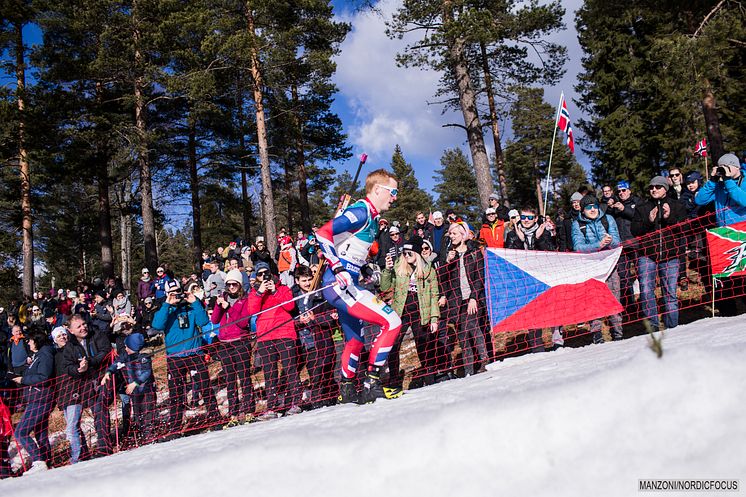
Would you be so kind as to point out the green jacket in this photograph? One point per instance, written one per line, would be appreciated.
(427, 293)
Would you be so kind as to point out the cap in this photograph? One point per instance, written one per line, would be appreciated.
(622, 184)
(693, 176)
(576, 197)
(261, 265)
(393, 230)
(729, 160)
(489, 211)
(660, 181)
(172, 286)
(160, 269)
(72, 294)
(494, 196)
(414, 244)
(57, 331)
(235, 276)
(135, 342)
(35, 308)
(437, 215)
(148, 300)
(145, 270)
(513, 213)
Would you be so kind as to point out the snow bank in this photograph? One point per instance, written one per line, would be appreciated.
(572, 422)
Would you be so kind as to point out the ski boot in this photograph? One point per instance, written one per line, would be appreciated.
(348, 394)
(372, 387)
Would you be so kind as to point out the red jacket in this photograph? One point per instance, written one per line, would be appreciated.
(493, 236)
(277, 323)
(238, 311)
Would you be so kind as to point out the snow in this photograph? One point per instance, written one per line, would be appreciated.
(573, 422)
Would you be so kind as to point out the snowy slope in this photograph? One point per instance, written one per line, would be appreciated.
(588, 421)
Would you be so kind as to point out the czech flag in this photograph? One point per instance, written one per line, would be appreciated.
(531, 289)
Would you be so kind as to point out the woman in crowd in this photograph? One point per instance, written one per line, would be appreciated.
(38, 380)
(415, 285)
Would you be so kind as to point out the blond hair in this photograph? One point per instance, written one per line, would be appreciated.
(402, 269)
(377, 177)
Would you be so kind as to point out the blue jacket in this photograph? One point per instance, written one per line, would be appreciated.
(729, 197)
(186, 341)
(160, 286)
(590, 241)
(136, 368)
(39, 377)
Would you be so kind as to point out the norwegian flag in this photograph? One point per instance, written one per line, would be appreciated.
(701, 148)
(563, 123)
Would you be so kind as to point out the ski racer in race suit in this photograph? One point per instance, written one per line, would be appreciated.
(345, 242)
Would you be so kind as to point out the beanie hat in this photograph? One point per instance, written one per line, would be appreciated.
(135, 342)
(660, 181)
(49, 312)
(172, 286)
(490, 210)
(623, 184)
(59, 330)
(729, 160)
(393, 230)
(414, 244)
(513, 213)
(576, 197)
(494, 196)
(234, 275)
(260, 266)
(588, 200)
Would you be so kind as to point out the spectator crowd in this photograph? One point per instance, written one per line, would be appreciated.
(155, 348)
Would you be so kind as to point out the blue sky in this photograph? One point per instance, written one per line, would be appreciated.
(382, 105)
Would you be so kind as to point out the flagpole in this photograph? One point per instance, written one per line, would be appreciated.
(707, 170)
(714, 280)
(551, 152)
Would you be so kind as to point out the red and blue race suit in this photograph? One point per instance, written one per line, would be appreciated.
(345, 242)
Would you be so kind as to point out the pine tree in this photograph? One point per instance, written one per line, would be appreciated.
(456, 186)
(411, 197)
(528, 153)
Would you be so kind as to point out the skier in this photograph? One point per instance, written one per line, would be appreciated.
(345, 242)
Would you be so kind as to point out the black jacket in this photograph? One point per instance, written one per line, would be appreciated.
(624, 217)
(660, 239)
(544, 242)
(80, 388)
(448, 275)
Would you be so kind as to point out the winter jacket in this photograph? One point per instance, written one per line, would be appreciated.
(437, 236)
(80, 388)
(238, 315)
(427, 292)
(159, 286)
(277, 323)
(264, 256)
(102, 319)
(624, 217)
(729, 197)
(494, 234)
(145, 289)
(39, 377)
(389, 246)
(18, 352)
(319, 329)
(181, 341)
(544, 242)
(588, 233)
(137, 368)
(449, 282)
(659, 243)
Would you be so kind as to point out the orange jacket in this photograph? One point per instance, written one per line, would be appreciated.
(493, 236)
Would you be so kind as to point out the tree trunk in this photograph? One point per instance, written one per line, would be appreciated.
(305, 210)
(104, 205)
(709, 109)
(27, 222)
(468, 104)
(499, 157)
(125, 230)
(143, 159)
(194, 188)
(245, 200)
(268, 207)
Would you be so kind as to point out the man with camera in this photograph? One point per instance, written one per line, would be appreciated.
(727, 190)
(180, 318)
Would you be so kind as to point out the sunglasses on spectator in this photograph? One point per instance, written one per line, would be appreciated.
(675, 174)
(590, 206)
(524, 217)
(622, 190)
(425, 247)
(492, 214)
(408, 253)
(232, 283)
(655, 187)
(393, 191)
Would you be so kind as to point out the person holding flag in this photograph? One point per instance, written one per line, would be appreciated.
(345, 242)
